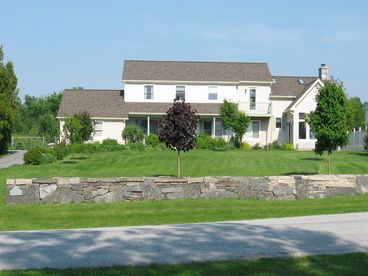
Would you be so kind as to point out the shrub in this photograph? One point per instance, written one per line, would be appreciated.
(60, 151)
(136, 146)
(39, 155)
(93, 147)
(366, 142)
(207, 142)
(257, 147)
(132, 134)
(245, 146)
(287, 146)
(152, 140)
(110, 142)
(274, 145)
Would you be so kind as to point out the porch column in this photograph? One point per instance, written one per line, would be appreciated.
(148, 125)
(213, 127)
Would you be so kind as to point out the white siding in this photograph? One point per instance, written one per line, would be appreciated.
(110, 129)
(278, 108)
(167, 92)
(306, 105)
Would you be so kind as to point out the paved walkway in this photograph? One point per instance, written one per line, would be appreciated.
(184, 243)
(14, 158)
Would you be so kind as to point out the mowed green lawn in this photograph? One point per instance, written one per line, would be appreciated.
(194, 163)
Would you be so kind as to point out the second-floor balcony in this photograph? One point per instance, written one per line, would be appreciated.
(257, 108)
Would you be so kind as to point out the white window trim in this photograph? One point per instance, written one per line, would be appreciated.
(280, 122)
(185, 90)
(102, 129)
(209, 92)
(250, 102)
(144, 91)
(251, 133)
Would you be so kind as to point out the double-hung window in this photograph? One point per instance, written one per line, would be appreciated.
(252, 99)
(278, 123)
(148, 92)
(212, 92)
(180, 92)
(97, 125)
(255, 129)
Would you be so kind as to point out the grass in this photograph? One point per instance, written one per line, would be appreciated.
(346, 264)
(194, 163)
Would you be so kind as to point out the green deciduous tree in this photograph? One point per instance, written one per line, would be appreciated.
(235, 120)
(78, 128)
(331, 120)
(36, 116)
(8, 101)
(357, 112)
(177, 129)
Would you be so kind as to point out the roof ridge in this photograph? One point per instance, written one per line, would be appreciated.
(316, 77)
(91, 89)
(194, 61)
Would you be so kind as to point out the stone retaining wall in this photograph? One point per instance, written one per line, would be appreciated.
(66, 190)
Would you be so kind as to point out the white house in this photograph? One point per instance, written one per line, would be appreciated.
(277, 105)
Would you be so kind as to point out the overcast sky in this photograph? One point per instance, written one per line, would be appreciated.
(60, 44)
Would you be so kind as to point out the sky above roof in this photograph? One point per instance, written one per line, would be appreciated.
(62, 44)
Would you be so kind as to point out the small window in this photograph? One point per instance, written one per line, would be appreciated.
(180, 92)
(255, 129)
(301, 116)
(148, 92)
(212, 92)
(252, 99)
(301, 81)
(97, 126)
(278, 123)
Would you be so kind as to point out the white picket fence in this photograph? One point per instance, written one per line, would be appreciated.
(356, 139)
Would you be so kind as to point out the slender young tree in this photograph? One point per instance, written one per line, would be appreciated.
(235, 120)
(8, 102)
(177, 128)
(331, 120)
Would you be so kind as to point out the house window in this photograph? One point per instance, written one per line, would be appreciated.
(97, 126)
(255, 129)
(207, 127)
(148, 92)
(212, 92)
(278, 123)
(180, 92)
(252, 99)
(218, 128)
(302, 127)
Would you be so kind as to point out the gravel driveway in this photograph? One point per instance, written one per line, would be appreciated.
(184, 243)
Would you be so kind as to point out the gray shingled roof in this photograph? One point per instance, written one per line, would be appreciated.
(110, 104)
(290, 86)
(99, 103)
(195, 71)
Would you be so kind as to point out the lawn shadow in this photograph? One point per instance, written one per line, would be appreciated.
(70, 162)
(300, 173)
(359, 153)
(81, 157)
(312, 158)
(167, 245)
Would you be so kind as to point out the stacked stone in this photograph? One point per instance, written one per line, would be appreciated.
(73, 189)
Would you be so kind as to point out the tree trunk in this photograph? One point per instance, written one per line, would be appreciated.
(178, 163)
(329, 162)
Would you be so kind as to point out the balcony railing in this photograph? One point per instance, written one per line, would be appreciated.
(255, 108)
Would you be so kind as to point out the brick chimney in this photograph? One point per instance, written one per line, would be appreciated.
(323, 72)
